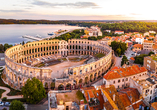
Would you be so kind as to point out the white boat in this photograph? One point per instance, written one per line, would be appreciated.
(51, 33)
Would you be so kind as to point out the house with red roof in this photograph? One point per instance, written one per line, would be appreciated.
(120, 77)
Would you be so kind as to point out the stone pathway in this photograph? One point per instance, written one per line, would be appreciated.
(4, 94)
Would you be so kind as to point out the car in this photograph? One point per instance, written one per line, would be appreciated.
(1, 103)
(132, 54)
(7, 103)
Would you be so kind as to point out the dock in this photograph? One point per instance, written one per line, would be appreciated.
(32, 38)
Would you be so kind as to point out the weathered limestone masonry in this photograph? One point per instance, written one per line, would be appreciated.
(16, 73)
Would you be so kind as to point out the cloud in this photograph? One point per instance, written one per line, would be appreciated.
(66, 17)
(72, 5)
(1, 10)
(134, 14)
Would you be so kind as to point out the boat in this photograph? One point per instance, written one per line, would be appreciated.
(50, 33)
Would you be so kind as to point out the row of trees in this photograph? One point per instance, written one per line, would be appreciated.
(118, 47)
(73, 35)
(4, 47)
(131, 26)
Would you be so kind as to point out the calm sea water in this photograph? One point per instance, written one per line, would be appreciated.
(13, 33)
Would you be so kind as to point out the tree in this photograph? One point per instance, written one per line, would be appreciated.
(4, 108)
(1, 48)
(150, 53)
(139, 59)
(118, 51)
(33, 90)
(118, 47)
(6, 46)
(16, 105)
(124, 60)
(23, 43)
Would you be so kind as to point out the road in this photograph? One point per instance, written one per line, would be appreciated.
(7, 91)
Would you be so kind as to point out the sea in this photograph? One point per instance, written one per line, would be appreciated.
(12, 33)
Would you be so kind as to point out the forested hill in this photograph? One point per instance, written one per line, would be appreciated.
(126, 26)
(13, 21)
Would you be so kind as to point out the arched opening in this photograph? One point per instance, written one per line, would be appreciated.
(68, 86)
(52, 85)
(91, 78)
(99, 74)
(46, 85)
(86, 80)
(60, 87)
(95, 76)
(80, 82)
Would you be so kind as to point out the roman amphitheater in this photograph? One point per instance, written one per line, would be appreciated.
(67, 65)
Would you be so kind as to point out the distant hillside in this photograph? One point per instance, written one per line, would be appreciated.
(13, 21)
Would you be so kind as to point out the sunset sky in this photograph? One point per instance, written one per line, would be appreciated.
(79, 9)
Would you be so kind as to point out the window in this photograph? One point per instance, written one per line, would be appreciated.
(113, 82)
(123, 80)
(118, 81)
(126, 79)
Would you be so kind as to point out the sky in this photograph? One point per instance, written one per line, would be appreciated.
(79, 9)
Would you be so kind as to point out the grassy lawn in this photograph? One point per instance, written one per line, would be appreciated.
(154, 57)
(1, 91)
(80, 96)
(1, 67)
(99, 55)
(64, 59)
(39, 65)
(74, 59)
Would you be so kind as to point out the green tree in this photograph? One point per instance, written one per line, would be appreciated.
(33, 90)
(16, 105)
(150, 53)
(139, 59)
(124, 60)
(118, 51)
(118, 47)
(1, 48)
(23, 43)
(6, 46)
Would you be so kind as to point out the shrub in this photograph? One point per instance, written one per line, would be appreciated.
(4, 99)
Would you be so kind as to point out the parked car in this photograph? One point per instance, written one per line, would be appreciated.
(1, 103)
(7, 103)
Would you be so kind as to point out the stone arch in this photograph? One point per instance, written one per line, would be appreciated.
(95, 76)
(61, 87)
(46, 85)
(91, 77)
(68, 86)
(80, 81)
(86, 80)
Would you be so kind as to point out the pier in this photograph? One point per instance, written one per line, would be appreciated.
(32, 38)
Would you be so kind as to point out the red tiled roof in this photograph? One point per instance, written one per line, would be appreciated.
(138, 45)
(136, 105)
(132, 58)
(154, 105)
(123, 72)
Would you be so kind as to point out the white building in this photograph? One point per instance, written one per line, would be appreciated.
(152, 32)
(109, 31)
(119, 32)
(139, 40)
(146, 34)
